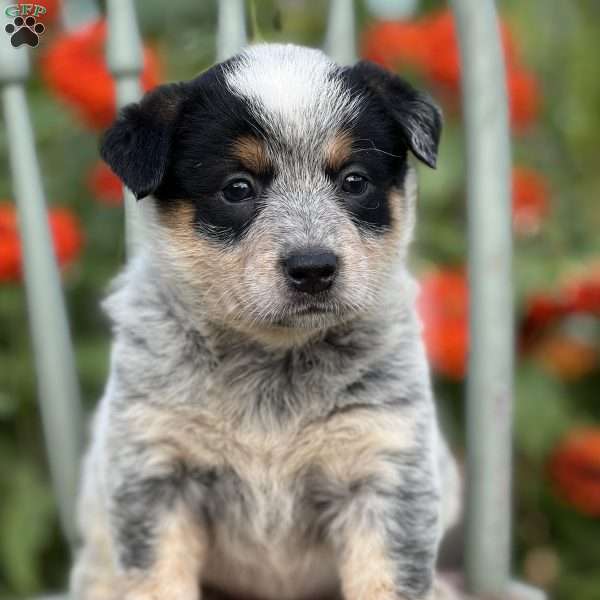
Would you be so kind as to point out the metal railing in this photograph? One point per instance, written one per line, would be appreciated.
(55, 362)
(490, 382)
(490, 387)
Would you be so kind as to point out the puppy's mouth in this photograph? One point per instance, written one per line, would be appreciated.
(312, 309)
(313, 315)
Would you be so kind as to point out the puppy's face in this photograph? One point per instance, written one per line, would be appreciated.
(282, 190)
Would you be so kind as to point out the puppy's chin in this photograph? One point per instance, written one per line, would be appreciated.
(278, 337)
(291, 328)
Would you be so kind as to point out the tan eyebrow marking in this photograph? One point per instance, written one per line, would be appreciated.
(338, 150)
(252, 153)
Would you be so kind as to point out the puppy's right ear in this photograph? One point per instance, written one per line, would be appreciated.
(137, 145)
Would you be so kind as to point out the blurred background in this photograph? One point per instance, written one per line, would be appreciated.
(551, 49)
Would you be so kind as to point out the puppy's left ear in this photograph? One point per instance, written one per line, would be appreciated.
(138, 143)
(418, 117)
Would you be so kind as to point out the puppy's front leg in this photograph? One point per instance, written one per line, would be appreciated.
(161, 546)
(388, 544)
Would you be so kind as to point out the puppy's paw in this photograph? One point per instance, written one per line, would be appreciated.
(161, 590)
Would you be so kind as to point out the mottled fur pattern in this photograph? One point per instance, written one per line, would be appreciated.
(252, 439)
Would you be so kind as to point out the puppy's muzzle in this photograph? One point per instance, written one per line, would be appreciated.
(310, 270)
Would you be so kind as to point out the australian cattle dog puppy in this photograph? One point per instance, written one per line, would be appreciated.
(268, 429)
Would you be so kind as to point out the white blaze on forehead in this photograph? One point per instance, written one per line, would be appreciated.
(291, 85)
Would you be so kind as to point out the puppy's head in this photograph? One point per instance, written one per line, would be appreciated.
(282, 192)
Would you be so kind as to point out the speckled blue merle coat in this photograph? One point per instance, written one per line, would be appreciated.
(268, 428)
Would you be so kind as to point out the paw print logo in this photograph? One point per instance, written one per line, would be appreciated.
(25, 31)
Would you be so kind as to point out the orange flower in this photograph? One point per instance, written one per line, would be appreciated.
(397, 44)
(566, 356)
(430, 45)
(105, 185)
(523, 98)
(574, 469)
(529, 200)
(66, 235)
(74, 68)
(443, 305)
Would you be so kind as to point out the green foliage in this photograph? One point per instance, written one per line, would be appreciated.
(539, 400)
(26, 522)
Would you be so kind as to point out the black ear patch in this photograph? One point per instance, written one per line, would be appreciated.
(137, 145)
(419, 118)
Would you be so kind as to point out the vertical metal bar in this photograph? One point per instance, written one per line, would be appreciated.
(77, 12)
(56, 372)
(231, 28)
(392, 9)
(490, 385)
(340, 39)
(125, 61)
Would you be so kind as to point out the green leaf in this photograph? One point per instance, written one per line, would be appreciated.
(26, 518)
(542, 412)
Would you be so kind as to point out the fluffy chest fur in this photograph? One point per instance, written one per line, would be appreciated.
(270, 448)
(232, 403)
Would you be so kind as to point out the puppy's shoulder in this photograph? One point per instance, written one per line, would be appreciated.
(155, 346)
(137, 295)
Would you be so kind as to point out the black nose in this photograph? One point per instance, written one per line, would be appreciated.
(311, 271)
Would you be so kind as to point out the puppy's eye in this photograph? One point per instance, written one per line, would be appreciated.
(355, 184)
(238, 190)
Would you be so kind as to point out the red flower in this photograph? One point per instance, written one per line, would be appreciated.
(66, 235)
(529, 200)
(396, 44)
(575, 470)
(439, 33)
(541, 310)
(430, 45)
(564, 352)
(10, 247)
(443, 306)
(523, 98)
(74, 68)
(443, 62)
(105, 185)
(578, 295)
(582, 295)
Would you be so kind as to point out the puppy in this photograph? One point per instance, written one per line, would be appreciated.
(268, 428)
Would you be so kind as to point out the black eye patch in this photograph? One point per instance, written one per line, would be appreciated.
(369, 146)
(369, 210)
(372, 169)
(217, 140)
